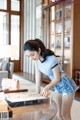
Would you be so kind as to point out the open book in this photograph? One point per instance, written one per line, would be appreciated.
(23, 98)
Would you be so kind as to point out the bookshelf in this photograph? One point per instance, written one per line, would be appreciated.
(57, 21)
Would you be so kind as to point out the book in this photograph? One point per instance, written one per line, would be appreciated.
(5, 110)
(23, 98)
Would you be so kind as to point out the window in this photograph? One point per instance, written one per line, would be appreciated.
(4, 27)
(3, 4)
(15, 25)
(10, 22)
(15, 5)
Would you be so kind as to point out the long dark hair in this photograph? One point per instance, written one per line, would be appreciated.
(34, 45)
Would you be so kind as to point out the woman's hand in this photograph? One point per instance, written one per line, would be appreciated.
(45, 92)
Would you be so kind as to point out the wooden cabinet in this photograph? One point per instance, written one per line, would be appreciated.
(59, 31)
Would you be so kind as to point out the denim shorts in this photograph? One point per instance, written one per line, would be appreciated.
(66, 85)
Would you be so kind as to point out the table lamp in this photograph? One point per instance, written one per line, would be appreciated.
(8, 51)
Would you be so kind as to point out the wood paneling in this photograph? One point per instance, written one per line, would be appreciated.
(16, 65)
(76, 36)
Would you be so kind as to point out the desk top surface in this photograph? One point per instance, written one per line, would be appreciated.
(44, 111)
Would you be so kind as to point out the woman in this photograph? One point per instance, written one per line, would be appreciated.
(46, 63)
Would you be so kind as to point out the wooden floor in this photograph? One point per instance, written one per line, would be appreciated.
(44, 81)
(78, 94)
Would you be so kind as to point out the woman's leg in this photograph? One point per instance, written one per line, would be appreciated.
(66, 106)
(58, 100)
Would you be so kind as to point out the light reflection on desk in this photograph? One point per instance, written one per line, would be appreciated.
(41, 112)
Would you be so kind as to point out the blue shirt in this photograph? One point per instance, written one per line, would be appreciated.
(66, 84)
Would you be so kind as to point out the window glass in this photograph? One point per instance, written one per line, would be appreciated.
(4, 28)
(3, 4)
(15, 33)
(15, 5)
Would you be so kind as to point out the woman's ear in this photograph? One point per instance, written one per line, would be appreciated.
(39, 50)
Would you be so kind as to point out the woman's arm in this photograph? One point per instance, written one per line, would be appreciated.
(37, 78)
(57, 78)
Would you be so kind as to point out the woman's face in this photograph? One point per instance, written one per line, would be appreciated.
(33, 54)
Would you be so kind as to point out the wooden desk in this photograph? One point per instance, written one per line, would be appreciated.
(42, 111)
